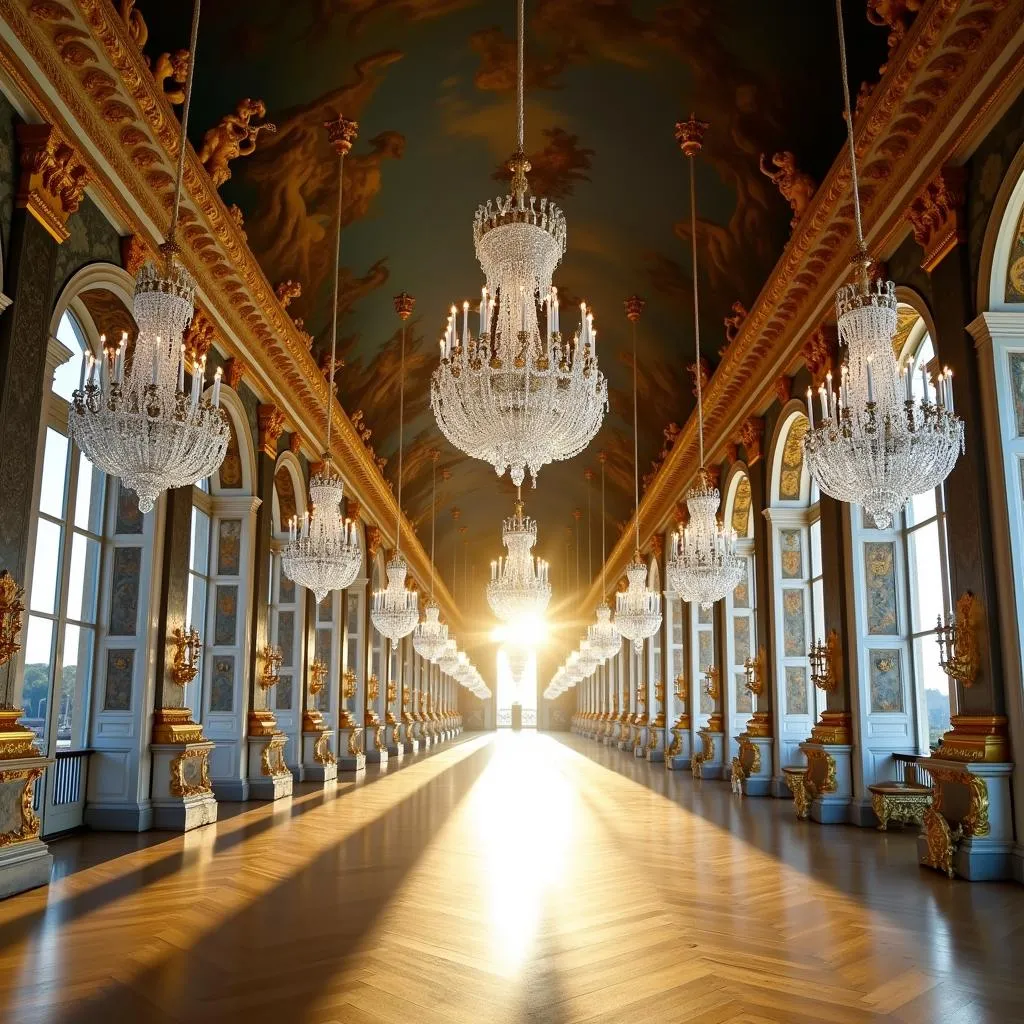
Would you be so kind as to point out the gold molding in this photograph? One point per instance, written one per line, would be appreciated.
(175, 725)
(180, 786)
(30, 823)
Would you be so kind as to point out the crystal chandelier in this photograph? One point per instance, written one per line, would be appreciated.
(395, 609)
(519, 587)
(323, 553)
(518, 658)
(603, 635)
(519, 396)
(449, 657)
(142, 426)
(638, 608)
(702, 564)
(877, 446)
(429, 637)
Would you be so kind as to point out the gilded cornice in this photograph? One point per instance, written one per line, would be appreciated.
(960, 63)
(101, 95)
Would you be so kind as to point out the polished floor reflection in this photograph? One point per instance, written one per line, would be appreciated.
(511, 878)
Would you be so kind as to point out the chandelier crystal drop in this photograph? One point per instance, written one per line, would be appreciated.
(131, 416)
(702, 563)
(520, 394)
(877, 445)
(395, 611)
(519, 587)
(324, 553)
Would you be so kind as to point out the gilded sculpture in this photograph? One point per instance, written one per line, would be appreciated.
(271, 674)
(796, 186)
(958, 641)
(824, 662)
(12, 607)
(317, 676)
(734, 322)
(170, 70)
(235, 136)
(185, 664)
(190, 773)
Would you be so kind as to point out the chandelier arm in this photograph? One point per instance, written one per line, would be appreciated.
(696, 305)
(334, 312)
(183, 137)
(849, 126)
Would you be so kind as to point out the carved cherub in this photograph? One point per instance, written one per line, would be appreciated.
(172, 66)
(235, 136)
(364, 432)
(136, 23)
(670, 432)
(732, 323)
(894, 15)
(795, 185)
(235, 212)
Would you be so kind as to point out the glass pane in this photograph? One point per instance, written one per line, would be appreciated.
(199, 548)
(283, 695)
(195, 612)
(84, 578)
(925, 577)
(38, 670)
(89, 497)
(44, 570)
(818, 609)
(816, 548)
(921, 507)
(68, 376)
(935, 685)
(76, 677)
(55, 473)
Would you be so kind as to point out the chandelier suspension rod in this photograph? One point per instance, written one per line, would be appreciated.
(334, 304)
(590, 536)
(433, 513)
(520, 75)
(604, 595)
(636, 456)
(696, 305)
(849, 128)
(401, 423)
(183, 137)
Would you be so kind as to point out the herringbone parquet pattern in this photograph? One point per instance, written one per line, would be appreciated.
(511, 878)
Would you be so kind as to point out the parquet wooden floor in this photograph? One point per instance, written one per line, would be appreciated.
(510, 878)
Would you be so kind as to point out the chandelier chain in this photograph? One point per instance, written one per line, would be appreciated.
(433, 516)
(849, 126)
(604, 593)
(334, 311)
(183, 137)
(520, 74)
(636, 451)
(696, 305)
(401, 424)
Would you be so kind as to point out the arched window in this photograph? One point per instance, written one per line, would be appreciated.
(740, 604)
(926, 553)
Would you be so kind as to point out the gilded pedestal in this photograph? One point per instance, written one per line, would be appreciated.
(318, 761)
(270, 778)
(678, 754)
(393, 740)
(25, 862)
(751, 770)
(707, 763)
(182, 795)
(350, 744)
(410, 742)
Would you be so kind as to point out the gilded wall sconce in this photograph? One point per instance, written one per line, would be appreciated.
(348, 684)
(185, 663)
(711, 687)
(271, 674)
(754, 669)
(659, 692)
(392, 692)
(641, 695)
(372, 688)
(958, 641)
(681, 688)
(317, 676)
(12, 606)
(824, 659)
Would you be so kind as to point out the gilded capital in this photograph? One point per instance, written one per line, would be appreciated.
(199, 337)
(53, 178)
(270, 420)
(937, 215)
(750, 436)
(234, 371)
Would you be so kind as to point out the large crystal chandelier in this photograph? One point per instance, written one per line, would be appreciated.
(448, 660)
(702, 564)
(519, 396)
(877, 445)
(602, 634)
(519, 587)
(518, 658)
(395, 609)
(138, 423)
(429, 637)
(323, 552)
(638, 608)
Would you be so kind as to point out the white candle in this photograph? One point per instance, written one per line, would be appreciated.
(593, 342)
(216, 387)
(483, 311)
(465, 324)
(949, 390)
(156, 361)
(824, 402)
(810, 408)
(81, 375)
(924, 383)
(908, 380)
(871, 385)
(181, 369)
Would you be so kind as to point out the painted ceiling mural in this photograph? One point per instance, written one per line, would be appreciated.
(431, 83)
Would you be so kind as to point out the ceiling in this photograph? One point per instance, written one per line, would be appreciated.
(431, 83)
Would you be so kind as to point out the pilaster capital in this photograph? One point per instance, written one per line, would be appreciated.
(936, 215)
(750, 436)
(818, 351)
(199, 338)
(234, 371)
(270, 420)
(53, 177)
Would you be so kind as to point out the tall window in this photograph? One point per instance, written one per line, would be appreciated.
(928, 579)
(198, 580)
(60, 635)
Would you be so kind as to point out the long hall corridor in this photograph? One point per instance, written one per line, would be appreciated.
(507, 878)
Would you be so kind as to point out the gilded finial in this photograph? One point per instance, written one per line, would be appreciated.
(341, 133)
(634, 307)
(690, 135)
(404, 304)
(520, 167)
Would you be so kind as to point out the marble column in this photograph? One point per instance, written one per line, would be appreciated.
(268, 774)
